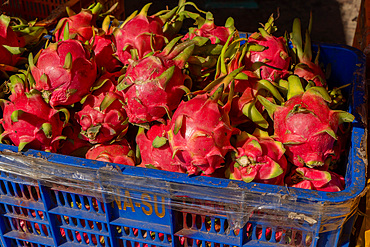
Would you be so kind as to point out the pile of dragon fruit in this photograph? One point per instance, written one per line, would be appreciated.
(153, 91)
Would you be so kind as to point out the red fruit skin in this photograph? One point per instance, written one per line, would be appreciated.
(143, 33)
(104, 50)
(310, 178)
(203, 138)
(118, 152)
(263, 160)
(302, 132)
(9, 37)
(311, 71)
(65, 86)
(275, 55)
(216, 34)
(245, 92)
(74, 145)
(110, 121)
(28, 127)
(249, 95)
(161, 157)
(80, 24)
(147, 95)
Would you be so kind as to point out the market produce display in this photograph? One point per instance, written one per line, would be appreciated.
(153, 91)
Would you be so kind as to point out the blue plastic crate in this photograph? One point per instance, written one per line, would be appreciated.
(56, 200)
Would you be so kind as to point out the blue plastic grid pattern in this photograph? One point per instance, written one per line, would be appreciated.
(40, 212)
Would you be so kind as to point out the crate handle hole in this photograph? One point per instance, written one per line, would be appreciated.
(3, 187)
(35, 194)
(26, 193)
(10, 189)
(61, 198)
(18, 190)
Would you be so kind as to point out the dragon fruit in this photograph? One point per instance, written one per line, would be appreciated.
(175, 18)
(80, 26)
(16, 37)
(244, 107)
(272, 51)
(11, 46)
(104, 48)
(140, 35)
(155, 150)
(259, 158)
(102, 117)
(305, 124)
(208, 29)
(199, 133)
(247, 104)
(74, 144)
(153, 86)
(29, 32)
(28, 121)
(305, 68)
(64, 72)
(309, 178)
(117, 152)
(210, 42)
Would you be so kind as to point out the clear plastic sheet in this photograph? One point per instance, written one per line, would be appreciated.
(275, 205)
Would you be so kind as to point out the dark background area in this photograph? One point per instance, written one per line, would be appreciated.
(327, 18)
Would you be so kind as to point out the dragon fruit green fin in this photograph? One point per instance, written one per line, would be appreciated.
(294, 86)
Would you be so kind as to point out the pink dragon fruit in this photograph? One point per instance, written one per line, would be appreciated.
(80, 26)
(245, 107)
(104, 48)
(28, 121)
(155, 150)
(199, 133)
(29, 33)
(102, 117)
(11, 46)
(117, 152)
(153, 86)
(74, 144)
(305, 68)
(17, 36)
(305, 124)
(210, 42)
(272, 51)
(64, 73)
(313, 179)
(142, 34)
(250, 79)
(208, 29)
(259, 158)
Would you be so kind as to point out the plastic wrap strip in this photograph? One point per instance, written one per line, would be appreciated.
(238, 205)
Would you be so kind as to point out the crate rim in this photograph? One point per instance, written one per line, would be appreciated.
(354, 190)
